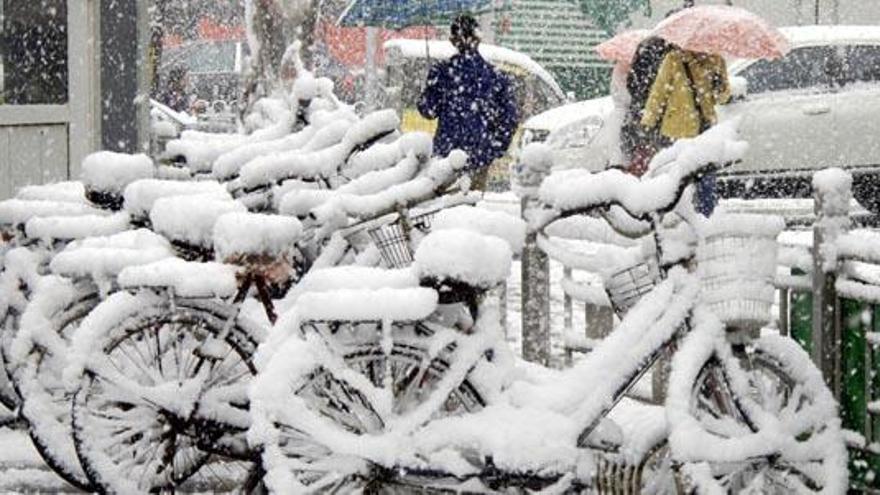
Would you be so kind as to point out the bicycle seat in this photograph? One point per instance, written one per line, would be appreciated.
(106, 174)
(60, 228)
(463, 262)
(184, 278)
(16, 212)
(252, 238)
(188, 221)
(105, 257)
(362, 305)
(140, 195)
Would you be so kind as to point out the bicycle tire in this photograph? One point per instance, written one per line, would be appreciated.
(56, 307)
(127, 324)
(294, 458)
(753, 418)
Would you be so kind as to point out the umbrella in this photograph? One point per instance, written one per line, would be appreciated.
(622, 47)
(397, 14)
(723, 30)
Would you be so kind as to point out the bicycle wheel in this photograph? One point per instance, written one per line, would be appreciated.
(150, 404)
(757, 419)
(55, 311)
(322, 411)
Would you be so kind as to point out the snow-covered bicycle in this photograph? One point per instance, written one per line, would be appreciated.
(386, 389)
(161, 367)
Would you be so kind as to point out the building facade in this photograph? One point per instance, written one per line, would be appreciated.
(71, 73)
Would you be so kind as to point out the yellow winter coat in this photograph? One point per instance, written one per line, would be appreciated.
(672, 101)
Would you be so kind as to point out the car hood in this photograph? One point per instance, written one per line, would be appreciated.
(559, 117)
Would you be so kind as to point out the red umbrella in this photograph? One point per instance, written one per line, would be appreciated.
(622, 47)
(724, 30)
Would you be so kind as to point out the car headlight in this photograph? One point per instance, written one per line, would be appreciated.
(576, 135)
(533, 136)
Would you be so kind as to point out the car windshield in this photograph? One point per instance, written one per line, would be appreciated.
(802, 68)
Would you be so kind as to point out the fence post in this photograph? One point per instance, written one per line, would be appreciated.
(534, 165)
(832, 193)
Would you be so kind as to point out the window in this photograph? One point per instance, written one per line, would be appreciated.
(861, 64)
(33, 47)
(802, 68)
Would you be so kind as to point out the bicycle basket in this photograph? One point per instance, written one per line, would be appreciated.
(737, 274)
(394, 240)
(626, 286)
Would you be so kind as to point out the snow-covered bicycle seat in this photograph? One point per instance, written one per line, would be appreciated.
(140, 195)
(52, 229)
(459, 259)
(184, 278)
(16, 212)
(252, 237)
(104, 257)
(105, 175)
(188, 221)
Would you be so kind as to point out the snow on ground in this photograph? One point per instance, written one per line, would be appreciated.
(22, 469)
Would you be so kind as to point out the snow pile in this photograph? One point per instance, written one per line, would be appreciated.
(590, 229)
(110, 172)
(337, 121)
(356, 277)
(200, 150)
(833, 187)
(860, 244)
(19, 211)
(49, 229)
(105, 257)
(301, 202)
(140, 195)
(318, 162)
(577, 189)
(64, 192)
(305, 87)
(250, 233)
(737, 266)
(493, 223)
(228, 164)
(526, 439)
(384, 304)
(191, 219)
(439, 173)
(185, 278)
(383, 155)
(464, 256)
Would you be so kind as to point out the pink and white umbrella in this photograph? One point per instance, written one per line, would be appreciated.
(622, 47)
(723, 30)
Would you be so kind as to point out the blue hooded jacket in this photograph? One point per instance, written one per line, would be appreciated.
(475, 106)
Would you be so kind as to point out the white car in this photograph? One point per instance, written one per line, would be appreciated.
(817, 107)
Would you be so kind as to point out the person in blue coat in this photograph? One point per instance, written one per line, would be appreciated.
(473, 102)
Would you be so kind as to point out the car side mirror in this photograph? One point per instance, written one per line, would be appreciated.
(739, 88)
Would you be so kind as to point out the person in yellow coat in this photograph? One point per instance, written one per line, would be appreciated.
(682, 103)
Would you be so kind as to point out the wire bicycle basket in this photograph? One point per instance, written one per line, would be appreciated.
(626, 286)
(395, 239)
